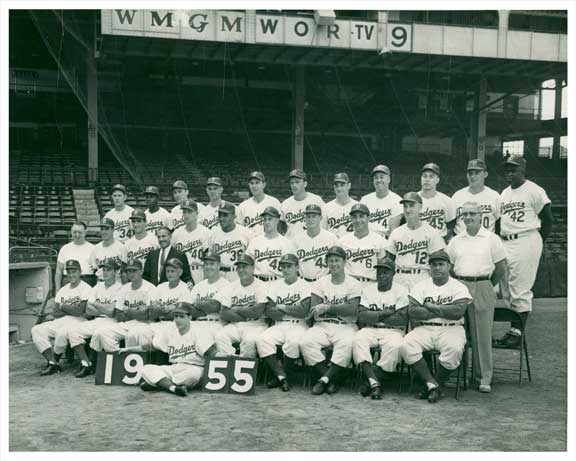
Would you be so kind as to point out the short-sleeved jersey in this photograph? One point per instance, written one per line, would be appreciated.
(208, 216)
(475, 256)
(158, 219)
(451, 291)
(267, 253)
(311, 252)
(381, 210)
(412, 246)
(489, 202)
(331, 293)
(293, 212)
(177, 216)
(229, 244)
(188, 348)
(520, 207)
(394, 299)
(115, 252)
(437, 211)
(362, 254)
(192, 244)
(249, 213)
(239, 295)
(135, 299)
(281, 292)
(105, 295)
(71, 295)
(337, 218)
(122, 227)
(205, 291)
(166, 298)
(139, 248)
(84, 254)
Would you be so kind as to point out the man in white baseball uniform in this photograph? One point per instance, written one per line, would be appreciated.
(142, 243)
(479, 262)
(336, 213)
(383, 315)
(120, 214)
(363, 246)
(437, 208)
(288, 305)
(384, 205)
(79, 250)
(410, 244)
(437, 309)
(525, 222)
(312, 246)
(488, 199)
(334, 308)
(69, 306)
(192, 239)
(208, 216)
(109, 248)
(249, 213)
(243, 305)
(293, 207)
(267, 249)
(156, 216)
(180, 193)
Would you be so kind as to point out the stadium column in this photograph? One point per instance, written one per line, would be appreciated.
(92, 106)
(503, 16)
(557, 120)
(299, 98)
(478, 123)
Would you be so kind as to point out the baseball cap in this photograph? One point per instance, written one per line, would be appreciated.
(110, 263)
(381, 169)
(134, 265)
(271, 211)
(431, 167)
(288, 258)
(152, 190)
(258, 175)
(119, 187)
(439, 255)
(359, 208)
(297, 173)
(107, 222)
(227, 207)
(189, 205)
(138, 214)
(386, 262)
(211, 256)
(174, 262)
(244, 259)
(313, 209)
(336, 251)
(517, 160)
(73, 264)
(180, 185)
(214, 180)
(411, 197)
(341, 177)
(182, 308)
(476, 164)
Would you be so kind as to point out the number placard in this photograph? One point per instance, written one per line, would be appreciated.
(399, 37)
(230, 375)
(123, 369)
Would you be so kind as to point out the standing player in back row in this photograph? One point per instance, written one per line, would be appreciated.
(156, 216)
(488, 199)
(437, 209)
(180, 193)
(384, 205)
(337, 212)
(120, 214)
(293, 208)
(208, 215)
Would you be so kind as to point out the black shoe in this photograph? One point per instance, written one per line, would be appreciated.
(376, 393)
(84, 371)
(332, 388)
(284, 385)
(272, 383)
(501, 342)
(319, 388)
(181, 391)
(434, 395)
(148, 387)
(365, 389)
(513, 342)
(423, 394)
(51, 369)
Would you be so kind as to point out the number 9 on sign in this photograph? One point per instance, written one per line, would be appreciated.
(119, 369)
(399, 37)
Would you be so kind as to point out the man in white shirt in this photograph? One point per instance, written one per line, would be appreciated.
(120, 214)
(208, 216)
(336, 213)
(293, 208)
(109, 248)
(437, 208)
(156, 216)
(79, 250)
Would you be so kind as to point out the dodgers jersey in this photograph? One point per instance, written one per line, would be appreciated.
(489, 202)
(115, 252)
(281, 292)
(311, 252)
(138, 248)
(191, 243)
(437, 211)
(337, 217)
(237, 294)
(205, 291)
(451, 291)
(267, 253)
(188, 348)
(135, 299)
(229, 244)
(177, 216)
(412, 246)
(362, 253)
(69, 295)
(394, 299)
(519, 208)
(122, 227)
(381, 210)
(105, 295)
(166, 298)
(331, 293)
(208, 216)
(248, 213)
(157, 219)
(293, 212)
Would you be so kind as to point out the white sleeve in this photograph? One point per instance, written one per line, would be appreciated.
(539, 199)
(450, 212)
(402, 300)
(391, 248)
(224, 296)
(204, 341)
(496, 249)
(451, 250)
(417, 292)
(160, 342)
(461, 292)
(436, 243)
(355, 289)
(318, 289)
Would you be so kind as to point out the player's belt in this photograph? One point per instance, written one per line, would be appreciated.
(337, 322)
(409, 271)
(266, 278)
(473, 279)
(206, 320)
(228, 269)
(363, 279)
(438, 324)
(309, 280)
(510, 237)
(291, 321)
(386, 327)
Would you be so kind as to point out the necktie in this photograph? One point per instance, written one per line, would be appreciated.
(162, 261)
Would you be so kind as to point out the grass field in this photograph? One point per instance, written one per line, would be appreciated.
(62, 413)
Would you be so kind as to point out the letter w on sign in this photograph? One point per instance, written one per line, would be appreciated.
(230, 375)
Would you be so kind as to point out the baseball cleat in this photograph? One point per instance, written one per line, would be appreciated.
(284, 385)
(148, 387)
(84, 371)
(319, 388)
(434, 395)
(365, 389)
(512, 342)
(272, 383)
(181, 391)
(51, 369)
(485, 388)
(376, 393)
(332, 388)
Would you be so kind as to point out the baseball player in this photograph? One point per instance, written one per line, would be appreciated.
(108, 248)
(156, 216)
(69, 306)
(437, 208)
(243, 305)
(436, 310)
(142, 242)
(249, 213)
(383, 312)
(337, 212)
(120, 214)
(288, 305)
(525, 222)
(312, 245)
(208, 216)
(100, 305)
(132, 312)
(334, 307)
(488, 199)
(267, 249)
(187, 349)
(479, 262)
(180, 193)
(384, 205)
(363, 246)
(229, 240)
(293, 207)
(79, 250)
(192, 239)
(410, 244)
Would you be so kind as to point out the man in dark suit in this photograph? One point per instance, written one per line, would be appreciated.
(154, 267)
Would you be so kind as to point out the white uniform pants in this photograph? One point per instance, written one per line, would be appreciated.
(108, 337)
(324, 334)
(389, 340)
(77, 334)
(55, 329)
(409, 280)
(245, 333)
(183, 374)
(287, 334)
(449, 341)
